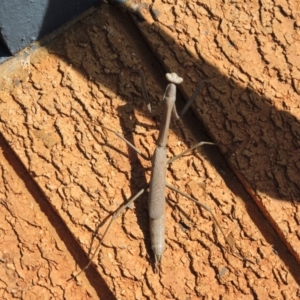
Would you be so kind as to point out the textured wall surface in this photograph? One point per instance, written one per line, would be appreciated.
(55, 111)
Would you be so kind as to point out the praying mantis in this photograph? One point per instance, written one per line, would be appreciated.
(157, 184)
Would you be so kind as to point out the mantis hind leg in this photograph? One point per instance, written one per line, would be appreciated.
(114, 216)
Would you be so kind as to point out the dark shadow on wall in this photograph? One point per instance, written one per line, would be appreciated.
(259, 140)
(4, 53)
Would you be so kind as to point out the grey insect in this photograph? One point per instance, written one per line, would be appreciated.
(157, 185)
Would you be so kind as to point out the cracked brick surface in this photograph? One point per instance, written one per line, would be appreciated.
(56, 112)
(34, 262)
(249, 52)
